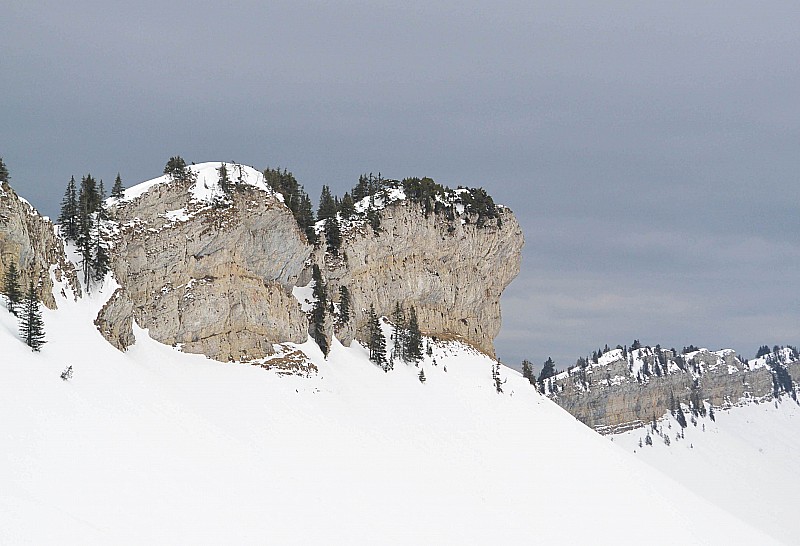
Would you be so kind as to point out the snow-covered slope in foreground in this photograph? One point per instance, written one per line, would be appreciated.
(744, 461)
(157, 446)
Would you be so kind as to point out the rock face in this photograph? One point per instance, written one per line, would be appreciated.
(452, 271)
(621, 391)
(29, 240)
(216, 276)
(214, 279)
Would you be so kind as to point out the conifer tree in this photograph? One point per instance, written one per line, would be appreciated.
(414, 339)
(68, 219)
(31, 325)
(117, 191)
(347, 207)
(527, 371)
(377, 343)
(177, 169)
(85, 240)
(327, 205)
(361, 190)
(318, 313)
(4, 176)
(11, 288)
(224, 179)
(548, 370)
(344, 304)
(333, 235)
(400, 333)
(498, 383)
(305, 218)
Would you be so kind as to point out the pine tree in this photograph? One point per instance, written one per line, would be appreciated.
(327, 205)
(31, 325)
(305, 219)
(400, 334)
(377, 343)
(344, 304)
(88, 195)
(11, 288)
(177, 169)
(224, 179)
(117, 191)
(347, 207)
(4, 176)
(318, 313)
(414, 340)
(527, 371)
(68, 219)
(361, 190)
(498, 384)
(548, 370)
(333, 235)
(85, 240)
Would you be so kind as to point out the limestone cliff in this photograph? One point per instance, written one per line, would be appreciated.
(213, 272)
(209, 272)
(30, 241)
(449, 269)
(624, 390)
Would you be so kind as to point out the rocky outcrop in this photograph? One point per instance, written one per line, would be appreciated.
(449, 269)
(213, 276)
(30, 241)
(622, 391)
(214, 273)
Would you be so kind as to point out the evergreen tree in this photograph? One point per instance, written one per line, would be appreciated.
(224, 179)
(377, 343)
(177, 169)
(347, 207)
(11, 288)
(548, 370)
(117, 191)
(89, 197)
(31, 325)
(305, 219)
(400, 334)
(680, 416)
(361, 190)
(414, 339)
(527, 371)
(327, 205)
(4, 176)
(344, 304)
(68, 219)
(318, 313)
(333, 235)
(85, 240)
(498, 384)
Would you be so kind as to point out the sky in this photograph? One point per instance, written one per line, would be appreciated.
(649, 151)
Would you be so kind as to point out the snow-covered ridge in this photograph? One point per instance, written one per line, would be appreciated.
(206, 186)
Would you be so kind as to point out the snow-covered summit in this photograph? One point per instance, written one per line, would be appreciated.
(206, 184)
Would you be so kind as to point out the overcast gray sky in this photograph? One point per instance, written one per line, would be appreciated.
(650, 150)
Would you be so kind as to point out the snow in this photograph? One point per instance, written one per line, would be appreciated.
(305, 296)
(745, 461)
(158, 446)
(206, 187)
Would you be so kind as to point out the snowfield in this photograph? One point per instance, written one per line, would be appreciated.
(154, 446)
(744, 461)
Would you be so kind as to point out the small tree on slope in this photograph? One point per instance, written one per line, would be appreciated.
(11, 289)
(31, 326)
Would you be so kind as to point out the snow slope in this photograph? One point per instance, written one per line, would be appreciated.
(745, 460)
(158, 446)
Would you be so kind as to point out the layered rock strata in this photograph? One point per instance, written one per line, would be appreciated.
(620, 391)
(30, 241)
